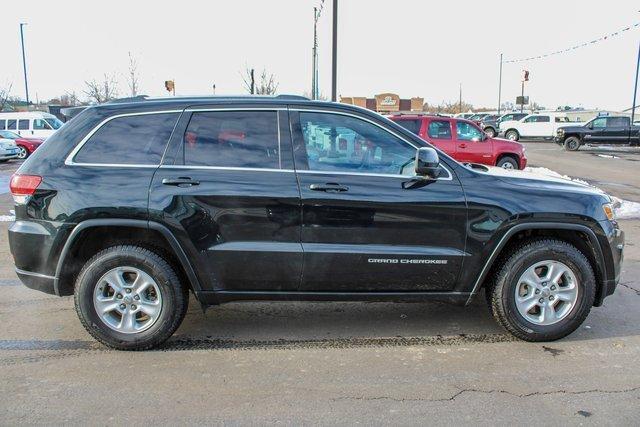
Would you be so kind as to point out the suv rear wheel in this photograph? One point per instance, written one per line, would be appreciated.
(543, 291)
(512, 135)
(130, 298)
(491, 132)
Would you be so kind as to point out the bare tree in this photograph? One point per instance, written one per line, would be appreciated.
(266, 84)
(132, 79)
(102, 91)
(70, 99)
(4, 95)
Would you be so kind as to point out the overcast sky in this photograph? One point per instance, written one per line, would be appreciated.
(413, 48)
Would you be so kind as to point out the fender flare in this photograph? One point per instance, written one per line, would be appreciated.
(115, 222)
(593, 239)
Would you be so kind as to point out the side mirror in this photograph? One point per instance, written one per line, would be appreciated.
(590, 125)
(427, 162)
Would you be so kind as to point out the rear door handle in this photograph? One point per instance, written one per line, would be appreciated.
(462, 145)
(183, 181)
(330, 187)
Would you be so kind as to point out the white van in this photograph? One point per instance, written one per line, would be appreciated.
(35, 124)
(537, 125)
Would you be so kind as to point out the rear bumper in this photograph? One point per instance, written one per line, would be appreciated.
(36, 281)
(615, 249)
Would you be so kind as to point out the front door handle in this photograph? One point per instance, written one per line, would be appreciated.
(463, 145)
(330, 187)
(183, 181)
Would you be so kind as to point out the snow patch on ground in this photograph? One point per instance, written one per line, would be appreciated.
(624, 209)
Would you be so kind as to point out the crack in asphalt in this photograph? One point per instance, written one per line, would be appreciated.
(492, 391)
(626, 285)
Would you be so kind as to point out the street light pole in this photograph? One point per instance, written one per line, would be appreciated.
(314, 61)
(635, 87)
(24, 64)
(334, 54)
(500, 86)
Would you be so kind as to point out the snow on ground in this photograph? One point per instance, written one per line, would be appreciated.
(624, 209)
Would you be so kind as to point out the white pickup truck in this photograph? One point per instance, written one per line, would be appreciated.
(534, 126)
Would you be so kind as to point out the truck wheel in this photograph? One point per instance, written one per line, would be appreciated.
(508, 162)
(572, 144)
(130, 298)
(491, 132)
(512, 135)
(543, 290)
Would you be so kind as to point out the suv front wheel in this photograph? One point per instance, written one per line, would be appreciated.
(543, 290)
(130, 298)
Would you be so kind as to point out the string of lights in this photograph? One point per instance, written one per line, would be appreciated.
(578, 46)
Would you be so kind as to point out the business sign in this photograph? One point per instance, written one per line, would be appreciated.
(387, 102)
(522, 100)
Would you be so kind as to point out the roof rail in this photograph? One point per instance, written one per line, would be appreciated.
(299, 97)
(130, 99)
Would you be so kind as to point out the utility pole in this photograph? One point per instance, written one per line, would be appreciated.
(522, 104)
(24, 64)
(314, 62)
(500, 86)
(635, 87)
(214, 88)
(334, 54)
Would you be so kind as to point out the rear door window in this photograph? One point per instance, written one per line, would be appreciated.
(245, 139)
(618, 122)
(412, 125)
(40, 124)
(129, 140)
(439, 129)
(23, 124)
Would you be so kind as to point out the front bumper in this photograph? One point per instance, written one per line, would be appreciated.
(5, 156)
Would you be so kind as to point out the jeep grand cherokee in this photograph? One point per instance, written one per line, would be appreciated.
(132, 205)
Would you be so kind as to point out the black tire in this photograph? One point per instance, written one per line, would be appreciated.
(572, 144)
(175, 297)
(501, 291)
(508, 162)
(491, 132)
(512, 135)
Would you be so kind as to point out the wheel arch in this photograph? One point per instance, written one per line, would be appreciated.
(155, 236)
(579, 235)
(508, 154)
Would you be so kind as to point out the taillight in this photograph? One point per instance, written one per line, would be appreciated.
(23, 186)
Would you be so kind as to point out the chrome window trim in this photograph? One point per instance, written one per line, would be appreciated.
(225, 168)
(69, 161)
(400, 137)
(382, 175)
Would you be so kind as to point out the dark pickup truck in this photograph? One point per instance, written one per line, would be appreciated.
(600, 130)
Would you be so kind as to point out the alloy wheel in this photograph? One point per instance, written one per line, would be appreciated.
(127, 300)
(22, 153)
(546, 292)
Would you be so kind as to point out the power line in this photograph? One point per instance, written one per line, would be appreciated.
(578, 46)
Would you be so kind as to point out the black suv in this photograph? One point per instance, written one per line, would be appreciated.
(131, 205)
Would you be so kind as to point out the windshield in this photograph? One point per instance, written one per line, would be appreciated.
(54, 122)
(8, 135)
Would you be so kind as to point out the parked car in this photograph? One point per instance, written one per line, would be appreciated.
(491, 126)
(600, 130)
(26, 146)
(463, 115)
(33, 124)
(464, 140)
(8, 148)
(534, 126)
(257, 198)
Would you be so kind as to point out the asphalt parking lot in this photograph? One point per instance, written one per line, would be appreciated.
(333, 363)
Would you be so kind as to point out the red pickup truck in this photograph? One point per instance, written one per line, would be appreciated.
(464, 140)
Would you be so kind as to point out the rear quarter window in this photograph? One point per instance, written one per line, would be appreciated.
(412, 125)
(139, 140)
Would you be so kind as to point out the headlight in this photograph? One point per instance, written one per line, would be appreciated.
(608, 211)
(560, 131)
